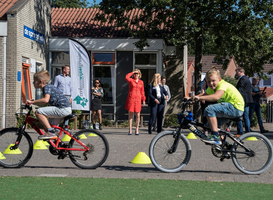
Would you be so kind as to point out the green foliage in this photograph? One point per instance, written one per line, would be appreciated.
(70, 3)
(240, 29)
(170, 121)
(107, 122)
(230, 80)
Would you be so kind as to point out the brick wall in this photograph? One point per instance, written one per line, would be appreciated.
(35, 14)
(1, 78)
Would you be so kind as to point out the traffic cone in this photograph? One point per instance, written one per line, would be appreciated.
(82, 136)
(39, 145)
(92, 135)
(2, 157)
(251, 138)
(141, 158)
(9, 151)
(45, 143)
(66, 138)
(191, 136)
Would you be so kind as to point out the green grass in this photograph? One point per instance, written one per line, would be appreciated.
(99, 188)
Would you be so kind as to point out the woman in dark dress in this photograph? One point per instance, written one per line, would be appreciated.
(97, 94)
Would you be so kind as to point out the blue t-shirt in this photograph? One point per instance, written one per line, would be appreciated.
(57, 98)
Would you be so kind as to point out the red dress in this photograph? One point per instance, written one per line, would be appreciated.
(135, 95)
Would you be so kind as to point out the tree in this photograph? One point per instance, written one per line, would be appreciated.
(234, 28)
(70, 3)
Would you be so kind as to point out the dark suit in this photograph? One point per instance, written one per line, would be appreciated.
(156, 109)
(244, 87)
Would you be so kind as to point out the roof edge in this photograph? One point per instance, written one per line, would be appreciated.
(16, 7)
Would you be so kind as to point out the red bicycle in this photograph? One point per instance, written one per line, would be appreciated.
(87, 149)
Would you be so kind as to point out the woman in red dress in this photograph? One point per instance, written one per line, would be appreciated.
(135, 95)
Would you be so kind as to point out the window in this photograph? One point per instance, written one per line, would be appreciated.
(38, 91)
(26, 87)
(60, 57)
(103, 58)
(106, 76)
(267, 82)
(145, 58)
(147, 64)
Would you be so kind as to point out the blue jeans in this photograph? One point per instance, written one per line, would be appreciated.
(257, 108)
(223, 111)
(240, 129)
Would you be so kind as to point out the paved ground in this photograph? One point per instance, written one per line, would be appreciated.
(123, 148)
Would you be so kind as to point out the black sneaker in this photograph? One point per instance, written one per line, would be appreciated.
(100, 127)
(264, 131)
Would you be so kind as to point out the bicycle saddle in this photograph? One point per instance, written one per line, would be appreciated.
(71, 116)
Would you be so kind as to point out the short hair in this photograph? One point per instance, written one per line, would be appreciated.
(139, 73)
(64, 66)
(255, 79)
(240, 69)
(163, 77)
(42, 75)
(213, 70)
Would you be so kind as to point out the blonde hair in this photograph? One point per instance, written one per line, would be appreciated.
(213, 70)
(154, 81)
(42, 75)
(139, 73)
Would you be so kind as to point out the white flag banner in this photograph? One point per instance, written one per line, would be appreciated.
(80, 75)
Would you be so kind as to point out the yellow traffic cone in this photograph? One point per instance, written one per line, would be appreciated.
(9, 151)
(92, 135)
(141, 158)
(82, 136)
(39, 145)
(45, 143)
(2, 157)
(251, 138)
(66, 138)
(191, 136)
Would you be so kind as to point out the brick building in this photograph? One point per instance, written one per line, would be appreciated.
(25, 27)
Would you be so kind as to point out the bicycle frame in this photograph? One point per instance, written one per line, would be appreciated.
(192, 126)
(30, 120)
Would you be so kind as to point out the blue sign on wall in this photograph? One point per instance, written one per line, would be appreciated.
(34, 35)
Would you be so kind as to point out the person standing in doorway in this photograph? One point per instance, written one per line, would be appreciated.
(244, 87)
(156, 102)
(135, 96)
(255, 106)
(163, 84)
(97, 94)
(63, 83)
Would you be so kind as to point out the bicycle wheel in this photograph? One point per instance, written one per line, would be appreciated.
(98, 153)
(260, 157)
(165, 161)
(17, 157)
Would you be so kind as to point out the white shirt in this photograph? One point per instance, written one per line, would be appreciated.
(158, 94)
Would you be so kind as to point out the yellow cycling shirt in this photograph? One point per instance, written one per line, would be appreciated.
(231, 95)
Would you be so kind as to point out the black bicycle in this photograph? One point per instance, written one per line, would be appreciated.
(170, 151)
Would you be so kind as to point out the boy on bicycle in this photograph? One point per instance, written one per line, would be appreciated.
(230, 103)
(59, 104)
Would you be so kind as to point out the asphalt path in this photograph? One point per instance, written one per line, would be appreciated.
(203, 166)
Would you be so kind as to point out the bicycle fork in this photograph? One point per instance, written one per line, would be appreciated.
(19, 137)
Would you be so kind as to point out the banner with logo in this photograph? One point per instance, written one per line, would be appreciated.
(80, 74)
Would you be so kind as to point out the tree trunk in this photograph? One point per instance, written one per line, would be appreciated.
(197, 73)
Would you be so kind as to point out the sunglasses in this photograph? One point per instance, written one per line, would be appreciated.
(97, 82)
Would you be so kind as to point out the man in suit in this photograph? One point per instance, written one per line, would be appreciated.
(244, 87)
(156, 102)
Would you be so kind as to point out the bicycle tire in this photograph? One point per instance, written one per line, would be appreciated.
(99, 149)
(18, 157)
(165, 161)
(260, 161)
